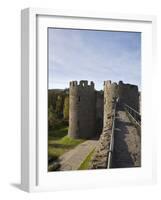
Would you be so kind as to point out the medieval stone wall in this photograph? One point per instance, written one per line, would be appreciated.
(129, 94)
(99, 111)
(110, 95)
(82, 110)
(101, 153)
(126, 93)
(89, 110)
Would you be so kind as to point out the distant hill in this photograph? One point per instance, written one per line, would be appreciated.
(55, 90)
(58, 91)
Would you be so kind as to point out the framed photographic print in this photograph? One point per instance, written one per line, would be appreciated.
(86, 109)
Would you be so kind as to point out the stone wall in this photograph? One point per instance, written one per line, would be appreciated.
(110, 95)
(87, 106)
(99, 111)
(140, 102)
(129, 94)
(126, 93)
(101, 153)
(82, 110)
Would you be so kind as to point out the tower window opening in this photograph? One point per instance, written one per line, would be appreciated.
(79, 98)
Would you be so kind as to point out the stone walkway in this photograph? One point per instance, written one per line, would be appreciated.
(73, 158)
(127, 143)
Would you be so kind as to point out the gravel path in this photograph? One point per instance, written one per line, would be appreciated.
(73, 158)
(127, 143)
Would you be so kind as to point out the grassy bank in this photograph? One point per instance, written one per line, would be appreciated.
(86, 163)
(59, 142)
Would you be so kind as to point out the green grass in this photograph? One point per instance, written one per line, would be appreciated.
(58, 133)
(70, 141)
(86, 163)
(59, 142)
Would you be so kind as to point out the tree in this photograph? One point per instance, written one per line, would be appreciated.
(66, 108)
(51, 117)
(59, 106)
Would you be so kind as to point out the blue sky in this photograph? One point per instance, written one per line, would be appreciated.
(94, 56)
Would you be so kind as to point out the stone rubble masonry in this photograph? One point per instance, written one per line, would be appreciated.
(110, 95)
(84, 109)
(127, 94)
(101, 153)
(99, 112)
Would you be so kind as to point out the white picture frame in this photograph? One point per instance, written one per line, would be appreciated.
(34, 176)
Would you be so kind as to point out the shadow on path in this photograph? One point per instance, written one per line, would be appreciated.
(126, 142)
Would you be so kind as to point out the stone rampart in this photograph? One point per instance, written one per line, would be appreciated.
(82, 110)
(113, 92)
(101, 153)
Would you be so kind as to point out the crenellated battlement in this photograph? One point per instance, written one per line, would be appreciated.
(120, 84)
(82, 83)
(84, 105)
(82, 112)
(127, 85)
(109, 83)
(73, 83)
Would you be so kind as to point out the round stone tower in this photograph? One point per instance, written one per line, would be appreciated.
(110, 96)
(82, 110)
